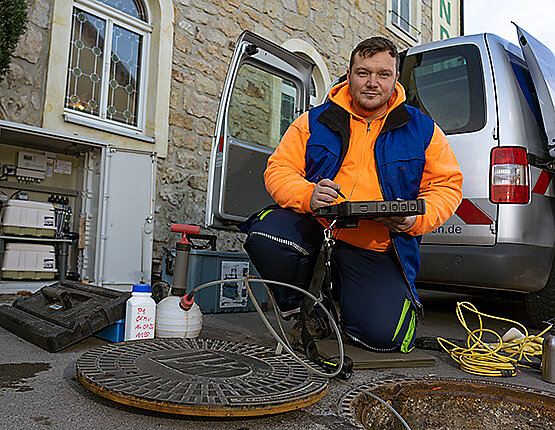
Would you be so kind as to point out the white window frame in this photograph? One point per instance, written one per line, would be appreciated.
(413, 36)
(320, 74)
(313, 99)
(113, 16)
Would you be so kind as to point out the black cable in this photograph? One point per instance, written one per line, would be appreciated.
(379, 399)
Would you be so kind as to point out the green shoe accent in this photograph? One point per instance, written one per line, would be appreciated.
(406, 307)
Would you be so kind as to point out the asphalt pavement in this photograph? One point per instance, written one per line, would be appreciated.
(40, 390)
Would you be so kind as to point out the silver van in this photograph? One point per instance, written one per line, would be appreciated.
(495, 102)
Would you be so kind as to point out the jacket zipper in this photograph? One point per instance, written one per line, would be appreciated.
(416, 301)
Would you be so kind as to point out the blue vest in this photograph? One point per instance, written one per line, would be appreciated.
(399, 154)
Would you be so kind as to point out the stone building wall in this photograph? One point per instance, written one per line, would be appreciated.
(204, 40)
(204, 37)
(22, 89)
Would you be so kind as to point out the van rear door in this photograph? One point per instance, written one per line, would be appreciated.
(452, 82)
(266, 88)
(541, 65)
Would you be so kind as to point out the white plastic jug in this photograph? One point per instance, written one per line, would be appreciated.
(140, 314)
(172, 321)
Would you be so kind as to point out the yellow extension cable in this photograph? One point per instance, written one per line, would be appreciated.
(492, 359)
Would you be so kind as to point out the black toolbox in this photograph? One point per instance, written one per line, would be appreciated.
(63, 313)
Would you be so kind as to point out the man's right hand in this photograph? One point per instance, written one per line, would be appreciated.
(324, 193)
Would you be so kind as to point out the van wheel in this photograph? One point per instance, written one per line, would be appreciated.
(540, 305)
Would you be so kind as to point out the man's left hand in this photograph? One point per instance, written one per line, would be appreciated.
(397, 224)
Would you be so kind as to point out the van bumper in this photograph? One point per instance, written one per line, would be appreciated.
(521, 268)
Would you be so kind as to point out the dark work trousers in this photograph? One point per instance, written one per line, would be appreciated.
(375, 305)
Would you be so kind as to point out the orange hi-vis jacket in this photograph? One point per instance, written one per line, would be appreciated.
(440, 186)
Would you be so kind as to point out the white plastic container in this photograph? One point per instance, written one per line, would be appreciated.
(23, 217)
(29, 261)
(172, 321)
(140, 314)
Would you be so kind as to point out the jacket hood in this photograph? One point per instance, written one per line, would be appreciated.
(341, 96)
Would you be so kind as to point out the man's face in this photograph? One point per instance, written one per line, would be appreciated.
(371, 81)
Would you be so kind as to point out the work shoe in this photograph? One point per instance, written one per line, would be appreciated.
(317, 326)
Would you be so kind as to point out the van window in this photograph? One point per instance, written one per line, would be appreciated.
(262, 106)
(524, 80)
(447, 84)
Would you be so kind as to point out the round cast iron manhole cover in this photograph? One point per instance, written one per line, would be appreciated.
(449, 404)
(202, 377)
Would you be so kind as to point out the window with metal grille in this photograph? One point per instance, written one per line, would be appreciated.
(404, 19)
(107, 61)
(400, 10)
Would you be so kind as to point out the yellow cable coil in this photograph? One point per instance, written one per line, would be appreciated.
(491, 359)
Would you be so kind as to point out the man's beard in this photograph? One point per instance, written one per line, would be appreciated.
(374, 103)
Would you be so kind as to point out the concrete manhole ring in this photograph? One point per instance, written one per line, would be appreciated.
(201, 377)
(449, 404)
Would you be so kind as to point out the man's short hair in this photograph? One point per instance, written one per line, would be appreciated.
(374, 45)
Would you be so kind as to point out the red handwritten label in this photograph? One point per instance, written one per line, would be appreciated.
(143, 326)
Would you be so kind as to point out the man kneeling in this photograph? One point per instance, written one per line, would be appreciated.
(364, 143)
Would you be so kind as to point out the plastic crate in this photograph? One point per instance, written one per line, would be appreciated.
(29, 261)
(206, 266)
(114, 332)
(22, 217)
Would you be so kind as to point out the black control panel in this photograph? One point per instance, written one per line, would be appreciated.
(349, 213)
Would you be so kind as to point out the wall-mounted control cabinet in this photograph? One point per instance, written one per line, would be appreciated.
(101, 197)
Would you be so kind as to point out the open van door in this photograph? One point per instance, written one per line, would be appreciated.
(541, 64)
(266, 88)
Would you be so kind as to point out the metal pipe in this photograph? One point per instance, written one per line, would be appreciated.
(62, 260)
(101, 236)
(180, 268)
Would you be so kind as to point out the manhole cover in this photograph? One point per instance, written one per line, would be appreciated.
(449, 404)
(202, 377)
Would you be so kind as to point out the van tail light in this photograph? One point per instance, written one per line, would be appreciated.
(509, 175)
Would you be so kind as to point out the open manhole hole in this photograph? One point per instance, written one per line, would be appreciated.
(449, 404)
